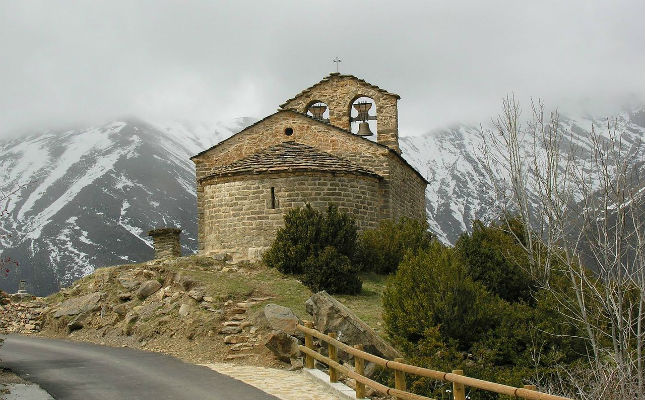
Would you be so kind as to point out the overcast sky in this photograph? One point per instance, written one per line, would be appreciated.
(84, 62)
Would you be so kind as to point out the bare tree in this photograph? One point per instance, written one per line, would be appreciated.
(581, 205)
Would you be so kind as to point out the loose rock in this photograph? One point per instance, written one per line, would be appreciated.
(281, 318)
(78, 305)
(184, 310)
(147, 288)
(196, 294)
(284, 346)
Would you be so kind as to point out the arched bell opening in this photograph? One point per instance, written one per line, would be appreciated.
(362, 117)
(318, 110)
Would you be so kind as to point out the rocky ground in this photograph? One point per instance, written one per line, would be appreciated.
(161, 305)
(22, 316)
(195, 308)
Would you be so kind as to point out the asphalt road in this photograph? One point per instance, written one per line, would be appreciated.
(74, 370)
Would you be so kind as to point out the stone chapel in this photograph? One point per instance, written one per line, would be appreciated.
(306, 152)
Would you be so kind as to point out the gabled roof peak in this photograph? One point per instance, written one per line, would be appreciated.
(337, 75)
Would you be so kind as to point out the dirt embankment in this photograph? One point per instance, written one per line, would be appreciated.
(194, 308)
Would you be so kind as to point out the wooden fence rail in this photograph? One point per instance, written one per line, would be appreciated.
(457, 378)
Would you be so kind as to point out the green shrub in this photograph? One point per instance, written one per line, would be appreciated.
(431, 289)
(331, 271)
(382, 249)
(446, 311)
(494, 258)
(308, 237)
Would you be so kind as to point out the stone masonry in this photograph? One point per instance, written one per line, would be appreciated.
(339, 93)
(247, 182)
(166, 242)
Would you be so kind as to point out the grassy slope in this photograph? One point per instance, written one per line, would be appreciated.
(251, 280)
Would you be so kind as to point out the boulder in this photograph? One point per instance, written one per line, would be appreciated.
(77, 322)
(281, 318)
(128, 280)
(221, 257)
(330, 315)
(184, 310)
(196, 294)
(185, 281)
(147, 288)
(283, 346)
(78, 305)
(121, 309)
(125, 296)
(131, 318)
(149, 309)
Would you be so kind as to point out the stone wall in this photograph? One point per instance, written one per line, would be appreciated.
(166, 242)
(407, 192)
(407, 198)
(339, 93)
(271, 131)
(238, 217)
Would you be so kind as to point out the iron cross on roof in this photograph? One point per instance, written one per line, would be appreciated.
(337, 61)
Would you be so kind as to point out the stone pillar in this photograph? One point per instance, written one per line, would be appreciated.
(388, 122)
(166, 242)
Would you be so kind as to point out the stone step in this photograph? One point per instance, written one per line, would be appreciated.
(230, 330)
(241, 347)
(235, 339)
(237, 356)
(261, 299)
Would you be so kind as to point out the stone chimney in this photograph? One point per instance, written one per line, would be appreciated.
(166, 242)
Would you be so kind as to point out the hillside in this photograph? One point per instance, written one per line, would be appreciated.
(201, 310)
(85, 198)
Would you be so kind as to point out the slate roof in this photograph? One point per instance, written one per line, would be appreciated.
(336, 74)
(315, 121)
(289, 156)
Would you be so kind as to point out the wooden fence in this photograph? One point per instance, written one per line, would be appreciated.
(459, 382)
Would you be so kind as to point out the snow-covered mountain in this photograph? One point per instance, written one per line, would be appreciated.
(85, 198)
(460, 190)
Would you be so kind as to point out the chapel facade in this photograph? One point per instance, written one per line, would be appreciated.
(304, 153)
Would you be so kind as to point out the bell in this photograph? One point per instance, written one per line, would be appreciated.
(317, 110)
(364, 129)
(362, 109)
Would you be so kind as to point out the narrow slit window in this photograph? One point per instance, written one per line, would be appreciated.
(272, 197)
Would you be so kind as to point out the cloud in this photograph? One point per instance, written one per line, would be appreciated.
(82, 62)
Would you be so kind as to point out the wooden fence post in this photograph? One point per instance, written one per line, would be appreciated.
(333, 355)
(458, 389)
(359, 368)
(530, 387)
(309, 343)
(399, 378)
